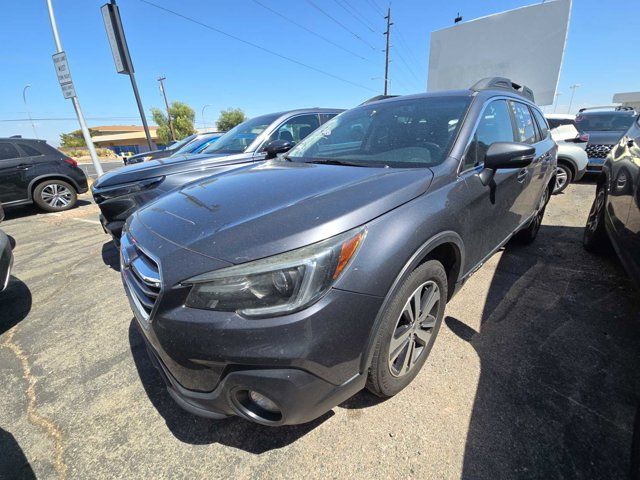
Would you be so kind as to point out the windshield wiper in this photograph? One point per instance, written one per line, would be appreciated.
(335, 161)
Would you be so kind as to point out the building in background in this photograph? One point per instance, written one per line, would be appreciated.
(628, 99)
(124, 138)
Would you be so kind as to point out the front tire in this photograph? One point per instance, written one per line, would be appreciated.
(595, 238)
(408, 329)
(528, 234)
(564, 177)
(55, 196)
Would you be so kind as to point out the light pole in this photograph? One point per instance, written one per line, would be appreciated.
(24, 98)
(573, 92)
(166, 104)
(204, 125)
(556, 104)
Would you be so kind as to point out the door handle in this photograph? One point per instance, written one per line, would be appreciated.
(522, 175)
(23, 166)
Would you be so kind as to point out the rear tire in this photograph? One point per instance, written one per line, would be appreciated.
(595, 239)
(55, 196)
(402, 343)
(564, 176)
(528, 234)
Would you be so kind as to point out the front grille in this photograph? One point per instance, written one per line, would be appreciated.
(596, 150)
(141, 276)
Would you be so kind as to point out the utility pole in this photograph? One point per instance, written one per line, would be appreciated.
(68, 90)
(121, 56)
(24, 98)
(204, 125)
(166, 104)
(386, 51)
(573, 92)
(556, 105)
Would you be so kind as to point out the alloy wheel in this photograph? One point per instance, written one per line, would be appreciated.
(595, 213)
(561, 179)
(414, 328)
(56, 195)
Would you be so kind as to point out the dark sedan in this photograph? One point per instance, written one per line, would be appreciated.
(615, 214)
(121, 192)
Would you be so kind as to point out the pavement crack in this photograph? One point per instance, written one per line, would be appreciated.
(34, 417)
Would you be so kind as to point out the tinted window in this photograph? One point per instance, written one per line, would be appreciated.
(604, 122)
(296, 128)
(325, 117)
(416, 132)
(238, 139)
(542, 123)
(29, 150)
(494, 126)
(525, 130)
(556, 122)
(7, 151)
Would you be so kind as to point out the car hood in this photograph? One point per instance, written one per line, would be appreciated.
(277, 206)
(165, 166)
(605, 138)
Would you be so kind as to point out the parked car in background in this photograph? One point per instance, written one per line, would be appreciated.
(121, 192)
(6, 256)
(31, 171)
(615, 214)
(199, 144)
(572, 157)
(277, 291)
(155, 154)
(605, 126)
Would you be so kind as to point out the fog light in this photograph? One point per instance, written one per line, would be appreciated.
(263, 402)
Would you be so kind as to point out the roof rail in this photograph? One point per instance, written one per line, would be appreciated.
(618, 108)
(503, 83)
(378, 97)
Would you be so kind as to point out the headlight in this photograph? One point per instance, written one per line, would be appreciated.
(276, 285)
(126, 188)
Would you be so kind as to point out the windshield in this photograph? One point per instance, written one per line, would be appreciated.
(604, 122)
(241, 136)
(195, 144)
(401, 133)
(181, 143)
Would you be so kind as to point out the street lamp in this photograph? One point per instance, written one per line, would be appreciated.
(204, 125)
(573, 92)
(24, 99)
(556, 104)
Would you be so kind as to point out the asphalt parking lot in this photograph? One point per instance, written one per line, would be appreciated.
(535, 375)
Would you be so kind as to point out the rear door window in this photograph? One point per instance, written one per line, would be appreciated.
(8, 151)
(494, 126)
(28, 150)
(525, 129)
(542, 123)
(296, 128)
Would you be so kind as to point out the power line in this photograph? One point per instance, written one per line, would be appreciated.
(254, 45)
(347, 8)
(339, 23)
(375, 7)
(409, 69)
(405, 44)
(64, 119)
(328, 40)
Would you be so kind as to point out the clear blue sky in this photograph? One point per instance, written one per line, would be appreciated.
(205, 67)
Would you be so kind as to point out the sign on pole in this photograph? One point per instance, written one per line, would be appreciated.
(117, 40)
(64, 74)
(526, 45)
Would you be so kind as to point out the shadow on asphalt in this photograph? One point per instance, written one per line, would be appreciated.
(13, 462)
(12, 213)
(560, 364)
(15, 305)
(111, 256)
(232, 432)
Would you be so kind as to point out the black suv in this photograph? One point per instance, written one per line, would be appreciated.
(121, 192)
(31, 171)
(605, 127)
(278, 290)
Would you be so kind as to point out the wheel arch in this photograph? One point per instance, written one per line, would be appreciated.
(571, 163)
(52, 176)
(448, 248)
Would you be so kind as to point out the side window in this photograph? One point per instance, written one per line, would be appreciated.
(325, 117)
(494, 126)
(525, 130)
(28, 150)
(8, 151)
(296, 128)
(542, 123)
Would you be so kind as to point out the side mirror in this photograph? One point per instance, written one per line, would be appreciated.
(501, 155)
(275, 147)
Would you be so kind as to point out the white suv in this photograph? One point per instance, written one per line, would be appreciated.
(572, 157)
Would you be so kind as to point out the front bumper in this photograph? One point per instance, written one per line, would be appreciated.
(6, 260)
(595, 165)
(116, 210)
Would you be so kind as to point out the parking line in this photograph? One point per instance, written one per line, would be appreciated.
(86, 220)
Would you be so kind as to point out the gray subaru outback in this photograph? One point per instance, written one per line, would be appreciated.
(277, 291)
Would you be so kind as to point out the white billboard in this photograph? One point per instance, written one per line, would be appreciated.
(526, 45)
